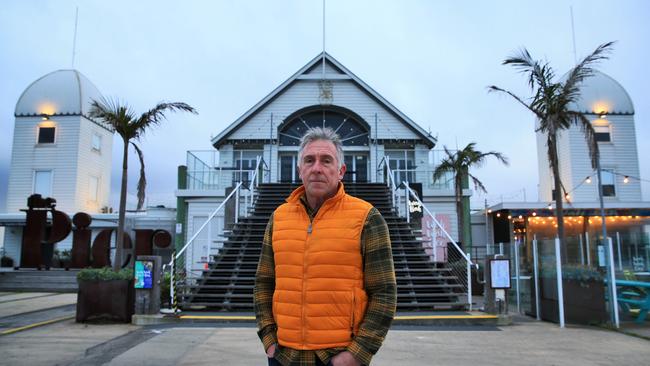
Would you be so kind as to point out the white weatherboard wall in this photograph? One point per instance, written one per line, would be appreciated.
(305, 93)
(619, 155)
(70, 158)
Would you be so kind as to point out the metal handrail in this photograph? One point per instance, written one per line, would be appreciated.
(390, 180)
(465, 256)
(236, 192)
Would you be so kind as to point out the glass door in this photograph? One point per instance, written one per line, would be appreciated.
(288, 168)
(356, 167)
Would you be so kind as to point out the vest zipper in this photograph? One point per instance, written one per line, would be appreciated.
(304, 272)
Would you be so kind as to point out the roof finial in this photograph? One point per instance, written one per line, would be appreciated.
(323, 39)
(573, 32)
(74, 38)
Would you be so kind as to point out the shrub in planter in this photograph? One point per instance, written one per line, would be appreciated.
(6, 261)
(105, 293)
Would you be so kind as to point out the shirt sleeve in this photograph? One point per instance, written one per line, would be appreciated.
(380, 286)
(263, 292)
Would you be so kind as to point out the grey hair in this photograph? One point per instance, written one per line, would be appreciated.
(325, 134)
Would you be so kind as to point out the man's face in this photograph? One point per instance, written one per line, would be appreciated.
(319, 170)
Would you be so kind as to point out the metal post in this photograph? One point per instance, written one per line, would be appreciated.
(612, 281)
(517, 278)
(501, 248)
(406, 202)
(582, 251)
(469, 281)
(209, 240)
(620, 257)
(237, 204)
(172, 299)
(588, 249)
(536, 277)
(560, 290)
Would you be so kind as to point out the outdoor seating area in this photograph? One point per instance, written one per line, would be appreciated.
(634, 298)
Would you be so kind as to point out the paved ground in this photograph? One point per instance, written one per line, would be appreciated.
(527, 342)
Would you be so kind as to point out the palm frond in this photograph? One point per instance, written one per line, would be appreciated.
(589, 132)
(494, 88)
(583, 70)
(155, 115)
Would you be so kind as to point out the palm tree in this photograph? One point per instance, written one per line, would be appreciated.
(130, 127)
(459, 164)
(551, 104)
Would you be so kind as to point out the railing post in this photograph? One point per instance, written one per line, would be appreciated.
(209, 240)
(560, 290)
(406, 201)
(612, 281)
(517, 274)
(620, 256)
(172, 283)
(536, 278)
(237, 203)
(587, 248)
(469, 281)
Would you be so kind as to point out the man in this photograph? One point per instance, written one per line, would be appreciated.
(325, 290)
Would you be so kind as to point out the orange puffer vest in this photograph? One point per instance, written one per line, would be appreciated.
(319, 300)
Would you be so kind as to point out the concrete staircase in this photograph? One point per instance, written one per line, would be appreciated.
(227, 285)
(54, 280)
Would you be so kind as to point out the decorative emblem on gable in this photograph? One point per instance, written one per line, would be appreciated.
(326, 95)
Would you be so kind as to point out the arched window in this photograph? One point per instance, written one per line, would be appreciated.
(350, 128)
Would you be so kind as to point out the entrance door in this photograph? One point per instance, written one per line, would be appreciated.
(288, 168)
(356, 167)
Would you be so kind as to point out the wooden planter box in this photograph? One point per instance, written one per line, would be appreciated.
(584, 301)
(105, 299)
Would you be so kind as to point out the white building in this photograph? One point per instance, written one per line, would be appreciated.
(58, 150)
(321, 93)
(609, 108)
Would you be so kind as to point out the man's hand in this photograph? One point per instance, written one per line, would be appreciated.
(344, 358)
(270, 352)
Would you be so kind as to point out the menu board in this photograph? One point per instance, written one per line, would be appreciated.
(500, 273)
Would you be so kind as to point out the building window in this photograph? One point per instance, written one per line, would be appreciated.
(43, 182)
(93, 188)
(602, 133)
(608, 177)
(46, 135)
(351, 131)
(97, 142)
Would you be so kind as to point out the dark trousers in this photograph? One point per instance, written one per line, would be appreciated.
(274, 362)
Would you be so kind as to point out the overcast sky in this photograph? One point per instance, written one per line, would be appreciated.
(431, 59)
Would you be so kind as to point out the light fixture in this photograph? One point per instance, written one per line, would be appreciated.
(509, 217)
(534, 213)
(45, 116)
(498, 214)
(603, 114)
(567, 196)
(550, 206)
(626, 179)
(588, 180)
(489, 211)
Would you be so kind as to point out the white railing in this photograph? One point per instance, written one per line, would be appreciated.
(182, 271)
(455, 258)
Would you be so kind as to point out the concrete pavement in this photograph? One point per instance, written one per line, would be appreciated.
(527, 342)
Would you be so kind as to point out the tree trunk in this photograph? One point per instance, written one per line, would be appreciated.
(119, 242)
(459, 208)
(559, 212)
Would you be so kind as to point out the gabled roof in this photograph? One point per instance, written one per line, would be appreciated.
(221, 138)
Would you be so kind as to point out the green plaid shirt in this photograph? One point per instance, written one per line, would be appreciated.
(379, 283)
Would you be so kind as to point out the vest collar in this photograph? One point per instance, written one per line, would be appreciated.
(300, 191)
